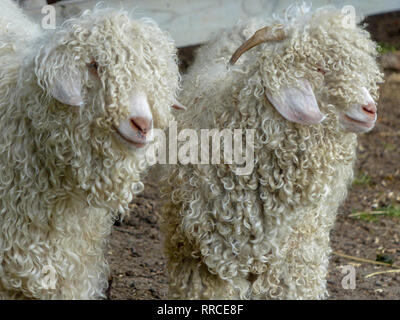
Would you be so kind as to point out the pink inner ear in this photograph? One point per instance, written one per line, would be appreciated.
(297, 104)
(67, 90)
(178, 106)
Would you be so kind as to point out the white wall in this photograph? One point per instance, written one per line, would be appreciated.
(194, 21)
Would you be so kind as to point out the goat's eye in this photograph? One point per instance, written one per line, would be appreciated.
(93, 67)
(320, 70)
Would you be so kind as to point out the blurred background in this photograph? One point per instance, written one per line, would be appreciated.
(367, 232)
(192, 22)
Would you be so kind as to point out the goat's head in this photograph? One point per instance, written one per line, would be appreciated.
(317, 61)
(121, 73)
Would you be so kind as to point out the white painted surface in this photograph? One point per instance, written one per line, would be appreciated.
(194, 21)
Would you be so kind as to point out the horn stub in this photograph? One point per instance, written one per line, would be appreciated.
(266, 34)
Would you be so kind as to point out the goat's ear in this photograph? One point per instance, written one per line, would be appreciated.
(297, 104)
(67, 89)
(63, 80)
(178, 106)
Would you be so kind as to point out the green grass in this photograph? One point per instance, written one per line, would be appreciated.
(362, 179)
(385, 47)
(384, 258)
(374, 215)
(393, 211)
(389, 146)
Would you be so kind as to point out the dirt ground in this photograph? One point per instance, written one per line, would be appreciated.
(135, 249)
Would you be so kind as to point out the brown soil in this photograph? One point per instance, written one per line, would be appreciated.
(135, 249)
(385, 28)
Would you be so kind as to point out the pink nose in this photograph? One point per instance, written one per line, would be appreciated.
(369, 109)
(142, 125)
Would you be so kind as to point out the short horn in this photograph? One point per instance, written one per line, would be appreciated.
(266, 34)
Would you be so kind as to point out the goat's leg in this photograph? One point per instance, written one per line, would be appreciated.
(306, 266)
(189, 278)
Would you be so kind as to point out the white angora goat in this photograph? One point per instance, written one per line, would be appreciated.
(77, 109)
(307, 86)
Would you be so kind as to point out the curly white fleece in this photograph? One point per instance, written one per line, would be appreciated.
(62, 172)
(266, 235)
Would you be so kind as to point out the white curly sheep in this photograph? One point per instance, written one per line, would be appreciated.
(305, 88)
(77, 109)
